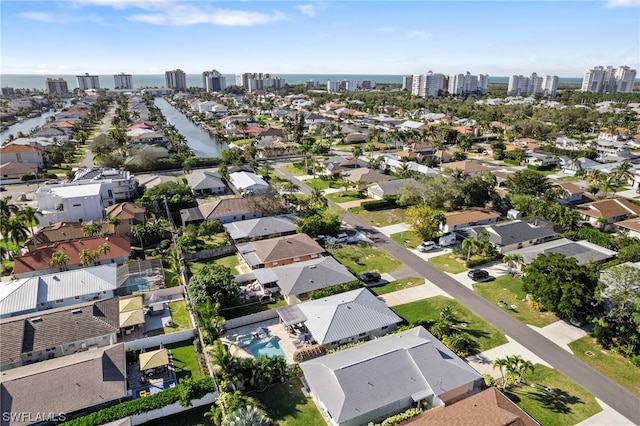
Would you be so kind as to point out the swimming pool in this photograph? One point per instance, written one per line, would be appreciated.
(267, 346)
(137, 282)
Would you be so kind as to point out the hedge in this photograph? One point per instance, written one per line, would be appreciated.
(399, 418)
(330, 291)
(597, 237)
(184, 392)
(377, 204)
(475, 262)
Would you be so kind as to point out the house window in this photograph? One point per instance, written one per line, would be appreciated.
(385, 327)
(110, 193)
(77, 205)
(77, 297)
(59, 300)
(362, 334)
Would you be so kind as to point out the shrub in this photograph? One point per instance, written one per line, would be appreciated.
(399, 418)
(535, 306)
(635, 360)
(472, 263)
(489, 381)
(378, 204)
(330, 291)
(597, 237)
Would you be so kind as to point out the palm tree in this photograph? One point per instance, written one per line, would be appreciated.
(114, 222)
(210, 321)
(222, 357)
(291, 187)
(471, 245)
(16, 231)
(523, 366)
(6, 211)
(104, 248)
(28, 215)
(92, 229)
(139, 232)
(501, 363)
(356, 151)
(595, 178)
(622, 173)
(59, 258)
(86, 257)
(317, 197)
(513, 260)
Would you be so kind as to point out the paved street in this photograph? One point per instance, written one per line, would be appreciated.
(611, 393)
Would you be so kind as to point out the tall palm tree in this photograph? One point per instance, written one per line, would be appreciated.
(104, 248)
(92, 229)
(595, 177)
(513, 260)
(59, 258)
(622, 173)
(501, 363)
(28, 215)
(16, 231)
(7, 210)
(114, 222)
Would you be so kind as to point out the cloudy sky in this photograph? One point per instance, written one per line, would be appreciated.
(334, 37)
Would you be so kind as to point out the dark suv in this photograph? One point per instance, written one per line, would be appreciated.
(477, 274)
(369, 277)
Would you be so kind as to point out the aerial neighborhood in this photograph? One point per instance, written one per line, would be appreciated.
(443, 250)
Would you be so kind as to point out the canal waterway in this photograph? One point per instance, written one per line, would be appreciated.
(26, 126)
(199, 140)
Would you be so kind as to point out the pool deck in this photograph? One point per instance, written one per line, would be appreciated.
(275, 329)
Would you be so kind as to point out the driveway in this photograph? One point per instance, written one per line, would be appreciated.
(561, 333)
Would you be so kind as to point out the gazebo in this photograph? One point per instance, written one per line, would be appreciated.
(154, 359)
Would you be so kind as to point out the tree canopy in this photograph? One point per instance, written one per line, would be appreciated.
(214, 284)
(178, 197)
(425, 220)
(528, 182)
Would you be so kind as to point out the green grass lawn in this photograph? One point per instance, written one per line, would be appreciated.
(318, 183)
(170, 278)
(230, 262)
(397, 285)
(345, 196)
(185, 359)
(509, 289)
(570, 179)
(286, 405)
(293, 170)
(179, 316)
(409, 239)
(360, 258)
(253, 308)
(615, 366)
(213, 241)
(566, 404)
(193, 417)
(448, 263)
(380, 218)
(429, 310)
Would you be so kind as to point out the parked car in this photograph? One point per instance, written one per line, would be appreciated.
(447, 240)
(426, 246)
(477, 274)
(369, 277)
(575, 322)
(341, 239)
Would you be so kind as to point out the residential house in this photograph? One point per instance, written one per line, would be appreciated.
(279, 251)
(612, 150)
(541, 159)
(511, 235)
(56, 290)
(468, 217)
(296, 280)
(389, 189)
(270, 132)
(394, 164)
(224, 211)
(630, 226)
(60, 134)
(422, 148)
(74, 202)
(467, 167)
(55, 333)
(23, 154)
(608, 211)
(258, 229)
(571, 167)
(151, 180)
(153, 138)
(37, 262)
(66, 387)
(343, 318)
(382, 377)
(355, 137)
(277, 147)
(572, 193)
(247, 182)
(488, 408)
(382, 121)
(57, 232)
(123, 183)
(129, 214)
(337, 164)
(12, 172)
(204, 183)
(313, 119)
(583, 251)
(365, 176)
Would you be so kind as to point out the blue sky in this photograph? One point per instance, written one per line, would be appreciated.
(338, 37)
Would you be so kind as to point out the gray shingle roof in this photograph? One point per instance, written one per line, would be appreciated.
(515, 232)
(345, 315)
(583, 251)
(247, 229)
(384, 371)
(204, 180)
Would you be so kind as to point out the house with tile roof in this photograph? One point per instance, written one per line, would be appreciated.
(630, 226)
(24, 154)
(258, 229)
(57, 232)
(296, 280)
(608, 211)
(385, 376)
(469, 217)
(572, 193)
(277, 147)
(14, 171)
(467, 167)
(204, 183)
(365, 176)
(61, 134)
(54, 333)
(67, 386)
(338, 164)
(279, 251)
(343, 318)
(224, 211)
(37, 262)
(128, 213)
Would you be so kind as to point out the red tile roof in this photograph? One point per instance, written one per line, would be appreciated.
(15, 148)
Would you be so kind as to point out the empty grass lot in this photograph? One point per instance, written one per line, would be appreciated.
(397, 285)
(380, 218)
(293, 170)
(566, 403)
(509, 289)
(286, 405)
(409, 239)
(360, 258)
(318, 183)
(615, 366)
(448, 263)
(346, 196)
(429, 310)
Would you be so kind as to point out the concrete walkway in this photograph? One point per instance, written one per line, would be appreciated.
(393, 229)
(413, 294)
(607, 417)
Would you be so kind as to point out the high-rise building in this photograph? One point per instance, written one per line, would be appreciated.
(407, 82)
(549, 86)
(532, 86)
(8, 92)
(311, 84)
(56, 86)
(259, 81)
(213, 81)
(467, 84)
(428, 85)
(368, 84)
(518, 85)
(175, 79)
(608, 79)
(123, 81)
(333, 86)
(86, 81)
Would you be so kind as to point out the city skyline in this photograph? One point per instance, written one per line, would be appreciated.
(151, 37)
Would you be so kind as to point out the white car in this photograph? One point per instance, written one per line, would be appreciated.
(426, 246)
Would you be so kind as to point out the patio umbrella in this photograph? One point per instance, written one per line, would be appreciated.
(304, 337)
(262, 330)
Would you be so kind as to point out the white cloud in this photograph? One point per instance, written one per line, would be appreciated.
(418, 34)
(611, 4)
(189, 15)
(307, 9)
(37, 16)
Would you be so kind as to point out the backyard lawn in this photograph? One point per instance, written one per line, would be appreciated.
(429, 310)
(345, 196)
(360, 258)
(615, 366)
(179, 316)
(565, 403)
(380, 218)
(193, 417)
(286, 405)
(240, 311)
(409, 239)
(448, 263)
(185, 359)
(509, 289)
(229, 261)
(293, 170)
(397, 285)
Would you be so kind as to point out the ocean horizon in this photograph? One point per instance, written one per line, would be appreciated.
(37, 81)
